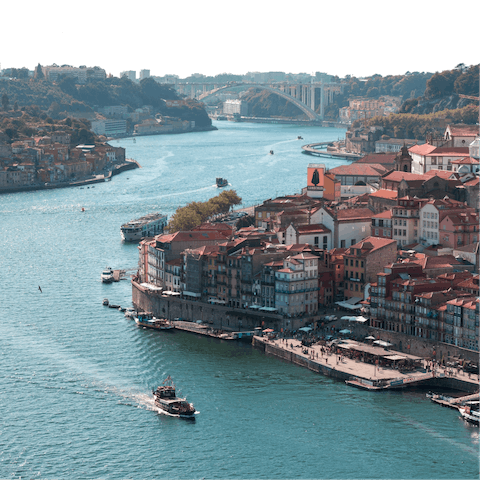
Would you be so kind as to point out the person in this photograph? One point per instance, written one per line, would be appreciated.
(40, 289)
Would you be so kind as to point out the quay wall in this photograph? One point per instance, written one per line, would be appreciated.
(220, 317)
(299, 360)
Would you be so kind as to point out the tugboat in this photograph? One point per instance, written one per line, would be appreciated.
(221, 182)
(147, 320)
(167, 401)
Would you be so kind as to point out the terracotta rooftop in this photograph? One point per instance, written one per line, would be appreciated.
(463, 130)
(319, 228)
(399, 176)
(384, 214)
(355, 169)
(466, 161)
(354, 214)
(371, 244)
(383, 193)
(378, 158)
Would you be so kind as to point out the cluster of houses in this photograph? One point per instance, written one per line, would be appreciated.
(51, 159)
(404, 251)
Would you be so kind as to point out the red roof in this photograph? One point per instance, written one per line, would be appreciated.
(319, 228)
(371, 244)
(366, 170)
(424, 149)
(354, 214)
(382, 193)
(466, 161)
(399, 176)
(384, 214)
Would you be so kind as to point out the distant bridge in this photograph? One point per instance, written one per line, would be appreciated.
(306, 96)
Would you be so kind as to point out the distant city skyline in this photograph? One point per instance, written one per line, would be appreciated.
(350, 38)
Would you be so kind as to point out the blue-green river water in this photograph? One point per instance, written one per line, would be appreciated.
(76, 377)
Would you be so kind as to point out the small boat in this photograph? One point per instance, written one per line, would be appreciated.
(271, 152)
(107, 275)
(168, 402)
(470, 412)
(130, 312)
(147, 320)
(105, 302)
(221, 182)
(299, 137)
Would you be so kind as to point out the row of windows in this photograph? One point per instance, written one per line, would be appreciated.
(357, 262)
(430, 215)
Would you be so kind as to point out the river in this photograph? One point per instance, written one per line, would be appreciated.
(76, 377)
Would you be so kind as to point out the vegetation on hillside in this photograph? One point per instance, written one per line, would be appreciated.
(196, 213)
(262, 103)
(32, 121)
(66, 97)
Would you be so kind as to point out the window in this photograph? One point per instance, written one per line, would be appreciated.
(315, 241)
(342, 243)
(353, 243)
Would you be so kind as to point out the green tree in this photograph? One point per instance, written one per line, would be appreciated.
(5, 102)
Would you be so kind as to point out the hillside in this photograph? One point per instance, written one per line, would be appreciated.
(262, 103)
(65, 97)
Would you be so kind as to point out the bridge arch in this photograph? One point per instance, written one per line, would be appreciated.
(311, 114)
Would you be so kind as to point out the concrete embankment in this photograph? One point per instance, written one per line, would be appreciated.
(360, 374)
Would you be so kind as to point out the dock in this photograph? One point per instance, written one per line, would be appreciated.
(353, 372)
(208, 331)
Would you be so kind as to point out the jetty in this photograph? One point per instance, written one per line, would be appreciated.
(208, 331)
(315, 149)
(380, 369)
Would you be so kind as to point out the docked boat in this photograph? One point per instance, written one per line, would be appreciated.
(221, 182)
(166, 400)
(130, 312)
(470, 412)
(271, 152)
(107, 275)
(147, 320)
(147, 226)
(299, 137)
(105, 302)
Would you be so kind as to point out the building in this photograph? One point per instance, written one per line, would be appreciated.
(428, 157)
(393, 145)
(296, 285)
(317, 235)
(109, 128)
(382, 224)
(363, 261)
(460, 135)
(82, 74)
(459, 229)
(461, 322)
(130, 74)
(235, 107)
(406, 219)
(349, 225)
(144, 74)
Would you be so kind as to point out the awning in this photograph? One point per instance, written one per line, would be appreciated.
(359, 319)
(348, 306)
(268, 309)
(151, 286)
(345, 331)
(268, 330)
(305, 329)
(382, 343)
(395, 357)
(370, 337)
(191, 294)
(254, 307)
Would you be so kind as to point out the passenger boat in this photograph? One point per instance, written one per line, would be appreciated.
(107, 275)
(147, 226)
(221, 182)
(470, 412)
(147, 320)
(167, 401)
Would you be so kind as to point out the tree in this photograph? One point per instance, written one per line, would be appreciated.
(38, 75)
(5, 102)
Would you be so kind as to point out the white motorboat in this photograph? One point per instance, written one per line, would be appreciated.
(130, 312)
(107, 275)
(470, 412)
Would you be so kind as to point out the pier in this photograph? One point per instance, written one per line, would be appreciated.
(356, 373)
(313, 149)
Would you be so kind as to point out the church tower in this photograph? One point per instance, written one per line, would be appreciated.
(403, 160)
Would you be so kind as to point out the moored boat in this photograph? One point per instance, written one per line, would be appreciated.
(107, 275)
(470, 412)
(221, 182)
(147, 226)
(130, 312)
(147, 320)
(166, 400)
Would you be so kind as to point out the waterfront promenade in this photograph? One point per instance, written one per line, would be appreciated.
(370, 376)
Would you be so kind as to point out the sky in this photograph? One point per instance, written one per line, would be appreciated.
(182, 37)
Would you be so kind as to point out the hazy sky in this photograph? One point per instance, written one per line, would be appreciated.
(338, 37)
